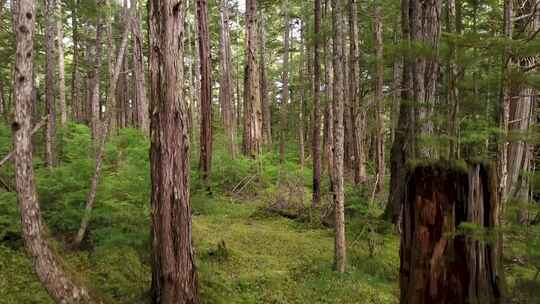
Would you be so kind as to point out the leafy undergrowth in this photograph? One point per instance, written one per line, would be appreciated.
(264, 260)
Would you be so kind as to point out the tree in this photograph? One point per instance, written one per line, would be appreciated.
(50, 130)
(47, 265)
(338, 26)
(77, 105)
(138, 71)
(316, 147)
(104, 132)
(206, 92)
(225, 84)
(61, 68)
(174, 278)
(265, 103)
(379, 96)
(284, 83)
(94, 83)
(252, 100)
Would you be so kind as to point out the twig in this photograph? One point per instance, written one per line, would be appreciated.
(34, 130)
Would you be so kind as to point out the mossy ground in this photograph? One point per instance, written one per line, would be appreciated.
(269, 260)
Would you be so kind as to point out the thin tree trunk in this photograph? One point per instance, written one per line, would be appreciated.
(301, 122)
(453, 92)
(206, 93)
(103, 136)
(138, 70)
(46, 264)
(95, 82)
(504, 112)
(338, 26)
(252, 100)
(265, 103)
(225, 92)
(174, 279)
(77, 104)
(285, 84)
(316, 147)
(61, 69)
(50, 130)
(379, 97)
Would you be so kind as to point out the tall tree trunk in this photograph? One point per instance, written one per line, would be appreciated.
(453, 92)
(316, 143)
(46, 264)
(379, 97)
(404, 145)
(338, 26)
(61, 68)
(265, 103)
(100, 149)
(506, 96)
(225, 84)
(77, 104)
(206, 93)
(95, 82)
(138, 70)
(252, 100)
(302, 99)
(50, 130)
(174, 279)
(285, 83)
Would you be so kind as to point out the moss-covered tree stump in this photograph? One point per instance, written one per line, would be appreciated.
(440, 264)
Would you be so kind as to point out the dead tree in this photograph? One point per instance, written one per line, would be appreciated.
(441, 263)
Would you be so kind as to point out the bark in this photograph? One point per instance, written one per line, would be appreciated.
(285, 84)
(174, 278)
(504, 112)
(338, 26)
(138, 71)
(61, 68)
(440, 264)
(225, 84)
(50, 130)
(420, 23)
(379, 97)
(47, 265)
(252, 100)
(100, 149)
(77, 104)
(301, 122)
(357, 118)
(206, 93)
(453, 91)
(95, 82)
(316, 142)
(265, 102)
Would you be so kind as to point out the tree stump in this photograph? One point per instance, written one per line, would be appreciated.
(438, 263)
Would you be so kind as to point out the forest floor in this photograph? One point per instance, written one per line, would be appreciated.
(264, 259)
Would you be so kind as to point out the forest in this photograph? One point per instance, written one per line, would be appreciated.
(270, 151)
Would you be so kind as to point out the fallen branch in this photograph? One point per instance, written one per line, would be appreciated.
(34, 130)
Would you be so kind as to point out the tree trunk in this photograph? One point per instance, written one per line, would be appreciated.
(50, 130)
(100, 149)
(265, 103)
(453, 92)
(174, 279)
(138, 70)
(506, 96)
(285, 84)
(206, 93)
(379, 97)
(61, 69)
(338, 26)
(316, 143)
(302, 100)
(438, 263)
(77, 104)
(225, 83)
(46, 264)
(252, 100)
(95, 82)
